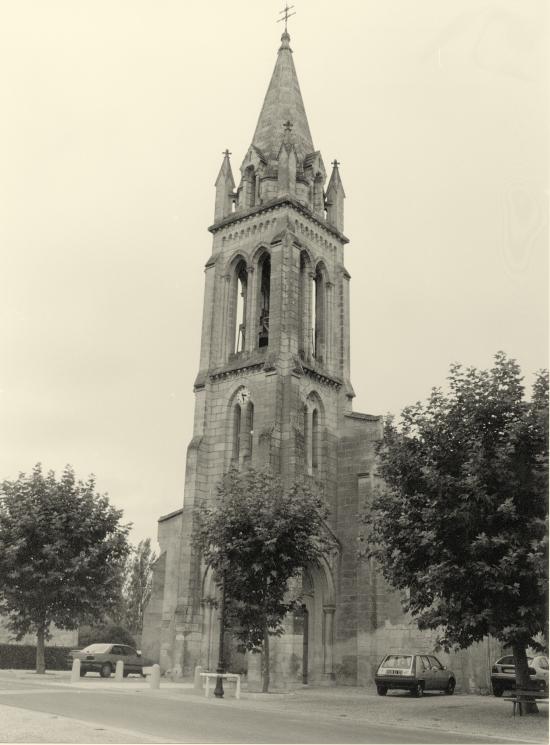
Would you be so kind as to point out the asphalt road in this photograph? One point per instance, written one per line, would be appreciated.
(189, 719)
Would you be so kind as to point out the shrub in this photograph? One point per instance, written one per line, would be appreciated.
(23, 657)
(105, 634)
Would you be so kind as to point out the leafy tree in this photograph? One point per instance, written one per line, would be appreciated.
(258, 536)
(105, 633)
(462, 519)
(138, 585)
(61, 547)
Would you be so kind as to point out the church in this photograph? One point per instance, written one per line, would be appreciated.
(273, 389)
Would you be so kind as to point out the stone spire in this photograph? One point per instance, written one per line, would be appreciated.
(283, 103)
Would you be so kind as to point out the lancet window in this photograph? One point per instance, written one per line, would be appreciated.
(237, 307)
(313, 435)
(242, 428)
(264, 268)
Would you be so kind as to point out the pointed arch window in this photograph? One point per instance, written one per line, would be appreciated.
(242, 428)
(237, 308)
(313, 436)
(264, 267)
(319, 314)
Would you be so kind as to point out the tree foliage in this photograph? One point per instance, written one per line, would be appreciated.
(138, 584)
(106, 634)
(462, 521)
(61, 549)
(258, 536)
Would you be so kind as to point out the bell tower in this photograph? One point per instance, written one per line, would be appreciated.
(273, 386)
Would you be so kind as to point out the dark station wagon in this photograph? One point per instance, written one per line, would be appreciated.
(102, 659)
(415, 673)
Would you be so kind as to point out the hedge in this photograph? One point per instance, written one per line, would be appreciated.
(23, 657)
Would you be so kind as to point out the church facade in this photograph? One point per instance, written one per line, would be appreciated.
(274, 389)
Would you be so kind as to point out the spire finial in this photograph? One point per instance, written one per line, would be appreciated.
(226, 153)
(335, 163)
(286, 16)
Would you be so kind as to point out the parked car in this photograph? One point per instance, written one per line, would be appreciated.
(503, 673)
(415, 673)
(102, 658)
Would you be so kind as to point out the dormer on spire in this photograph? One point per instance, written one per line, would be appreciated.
(225, 185)
(287, 161)
(335, 199)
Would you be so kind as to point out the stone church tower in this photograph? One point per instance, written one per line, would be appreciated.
(273, 388)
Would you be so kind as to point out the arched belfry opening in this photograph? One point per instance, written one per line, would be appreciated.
(319, 313)
(238, 297)
(306, 325)
(264, 300)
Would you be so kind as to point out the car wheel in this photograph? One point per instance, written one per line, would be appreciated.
(106, 670)
(497, 690)
(126, 673)
(381, 690)
(418, 690)
(82, 672)
(450, 687)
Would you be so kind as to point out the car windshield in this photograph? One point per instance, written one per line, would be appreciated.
(398, 661)
(97, 649)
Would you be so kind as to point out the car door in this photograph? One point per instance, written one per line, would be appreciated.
(133, 660)
(116, 655)
(440, 676)
(425, 672)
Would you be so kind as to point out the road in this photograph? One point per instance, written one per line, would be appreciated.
(185, 718)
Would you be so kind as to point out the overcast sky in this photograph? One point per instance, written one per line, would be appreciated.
(114, 117)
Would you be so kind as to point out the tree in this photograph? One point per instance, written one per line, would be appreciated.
(258, 536)
(462, 519)
(106, 634)
(138, 585)
(61, 547)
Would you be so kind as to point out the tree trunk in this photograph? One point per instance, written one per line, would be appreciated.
(523, 681)
(40, 657)
(265, 687)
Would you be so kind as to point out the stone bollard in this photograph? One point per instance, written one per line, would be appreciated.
(119, 672)
(75, 671)
(197, 680)
(155, 677)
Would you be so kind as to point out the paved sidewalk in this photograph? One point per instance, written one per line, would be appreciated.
(462, 713)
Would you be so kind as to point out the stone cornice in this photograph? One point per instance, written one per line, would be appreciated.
(274, 204)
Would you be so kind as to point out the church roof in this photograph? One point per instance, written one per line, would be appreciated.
(283, 103)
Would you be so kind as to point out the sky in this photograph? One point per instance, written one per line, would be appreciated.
(115, 114)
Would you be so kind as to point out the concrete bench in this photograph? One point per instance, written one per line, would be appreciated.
(520, 697)
(228, 676)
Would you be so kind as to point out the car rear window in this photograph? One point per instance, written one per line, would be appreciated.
(398, 661)
(97, 649)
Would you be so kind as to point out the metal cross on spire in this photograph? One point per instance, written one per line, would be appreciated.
(286, 14)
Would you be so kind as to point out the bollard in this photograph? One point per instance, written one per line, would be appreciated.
(155, 677)
(197, 680)
(119, 672)
(75, 671)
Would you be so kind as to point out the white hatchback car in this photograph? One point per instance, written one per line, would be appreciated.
(503, 673)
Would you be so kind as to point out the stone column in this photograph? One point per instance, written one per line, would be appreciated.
(328, 638)
(329, 325)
